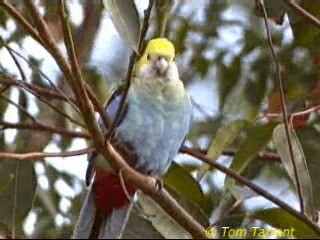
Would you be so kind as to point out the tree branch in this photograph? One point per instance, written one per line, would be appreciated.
(32, 65)
(50, 94)
(22, 109)
(283, 107)
(22, 21)
(303, 13)
(44, 128)
(245, 181)
(41, 155)
(266, 156)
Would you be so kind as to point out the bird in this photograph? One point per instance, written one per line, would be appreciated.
(152, 128)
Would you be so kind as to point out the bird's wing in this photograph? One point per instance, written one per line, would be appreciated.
(111, 107)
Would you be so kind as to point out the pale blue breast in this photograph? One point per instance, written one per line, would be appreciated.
(156, 129)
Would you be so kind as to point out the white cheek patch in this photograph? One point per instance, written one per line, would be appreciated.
(172, 73)
(149, 71)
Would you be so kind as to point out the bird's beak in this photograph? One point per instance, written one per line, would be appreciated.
(162, 65)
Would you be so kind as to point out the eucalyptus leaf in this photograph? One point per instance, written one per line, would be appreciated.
(181, 181)
(225, 136)
(139, 227)
(257, 138)
(281, 144)
(125, 18)
(166, 225)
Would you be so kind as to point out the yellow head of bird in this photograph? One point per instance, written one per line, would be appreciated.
(157, 49)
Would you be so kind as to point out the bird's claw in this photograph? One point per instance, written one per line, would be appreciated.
(158, 185)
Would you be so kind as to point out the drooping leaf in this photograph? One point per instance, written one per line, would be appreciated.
(310, 141)
(281, 143)
(225, 136)
(167, 226)
(17, 185)
(257, 138)
(181, 181)
(125, 18)
(139, 227)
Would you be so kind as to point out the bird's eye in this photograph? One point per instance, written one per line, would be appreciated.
(148, 57)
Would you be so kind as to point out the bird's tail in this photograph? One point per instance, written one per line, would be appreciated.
(92, 224)
(106, 208)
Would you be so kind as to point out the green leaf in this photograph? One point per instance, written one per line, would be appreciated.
(17, 185)
(197, 212)
(281, 219)
(257, 138)
(224, 137)
(181, 181)
(139, 227)
(309, 139)
(167, 226)
(281, 144)
(125, 18)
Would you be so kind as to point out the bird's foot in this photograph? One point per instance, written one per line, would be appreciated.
(158, 185)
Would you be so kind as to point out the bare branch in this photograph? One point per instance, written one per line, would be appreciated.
(283, 107)
(22, 109)
(303, 13)
(41, 155)
(22, 21)
(16, 62)
(50, 94)
(44, 128)
(68, 99)
(245, 181)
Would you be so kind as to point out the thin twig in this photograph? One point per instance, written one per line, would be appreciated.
(304, 112)
(54, 108)
(245, 181)
(41, 155)
(22, 109)
(124, 188)
(70, 47)
(303, 13)
(44, 128)
(130, 73)
(34, 67)
(16, 62)
(22, 21)
(283, 107)
(33, 88)
(266, 156)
